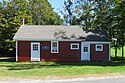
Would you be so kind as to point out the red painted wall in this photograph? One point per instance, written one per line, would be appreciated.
(65, 53)
(99, 55)
(24, 51)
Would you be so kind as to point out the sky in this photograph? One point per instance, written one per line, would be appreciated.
(57, 5)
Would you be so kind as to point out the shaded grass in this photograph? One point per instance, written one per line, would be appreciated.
(41, 69)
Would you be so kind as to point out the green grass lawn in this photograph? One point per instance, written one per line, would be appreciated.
(119, 52)
(10, 68)
(43, 69)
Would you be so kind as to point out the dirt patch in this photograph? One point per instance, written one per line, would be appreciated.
(63, 77)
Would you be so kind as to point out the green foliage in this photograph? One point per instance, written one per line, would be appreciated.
(84, 8)
(107, 15)
(119, 24)
(10, 21)
(13, 10)
(68, 12)
(94, 13)
(42, 13)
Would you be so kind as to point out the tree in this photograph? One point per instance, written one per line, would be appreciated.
(68, 12)
(75, 20)
(105, 15)
(42, 13)
(119, 14)
(12, 12)
(85, 11)
(1, 26)
(94, 14)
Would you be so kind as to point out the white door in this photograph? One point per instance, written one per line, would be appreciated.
(35, 51)
(85, 55)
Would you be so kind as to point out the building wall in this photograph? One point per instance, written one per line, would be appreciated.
(65, 53)
(24, 51)
(99, 55)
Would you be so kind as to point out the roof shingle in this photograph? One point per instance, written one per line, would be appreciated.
(26, 32)
(59, 32)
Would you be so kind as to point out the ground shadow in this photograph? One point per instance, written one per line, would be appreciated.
(64, 64)
(12, 65)
(7, 59)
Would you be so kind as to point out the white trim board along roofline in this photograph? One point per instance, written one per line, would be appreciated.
(38, 39)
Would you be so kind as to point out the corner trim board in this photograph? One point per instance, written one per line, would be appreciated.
(16, 50)
(109, 53)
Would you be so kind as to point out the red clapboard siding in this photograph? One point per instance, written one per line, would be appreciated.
(24, 51)
(100, 56)
(65, 53)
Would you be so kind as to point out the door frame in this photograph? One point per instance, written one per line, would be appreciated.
(35, 59)
(82, 56)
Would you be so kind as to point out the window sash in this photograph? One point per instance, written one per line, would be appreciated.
(54, 46)
(99, 47)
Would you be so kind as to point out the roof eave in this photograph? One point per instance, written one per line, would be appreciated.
(41, 39)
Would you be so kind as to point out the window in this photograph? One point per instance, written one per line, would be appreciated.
(99, 47)
(35, 47)
(54, 47)
(74, 46)
(85, 49)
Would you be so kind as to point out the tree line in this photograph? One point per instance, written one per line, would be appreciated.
(35, 12)
(107, 15)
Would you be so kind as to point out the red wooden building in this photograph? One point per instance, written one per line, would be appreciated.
(60, 43)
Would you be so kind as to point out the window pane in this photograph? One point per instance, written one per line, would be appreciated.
(99, 47)
(35, 47)
(54, 44)
(85, 49)
(74, 46)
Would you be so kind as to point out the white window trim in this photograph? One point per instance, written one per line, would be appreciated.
(57, 47)
(99, 45)
(74, 44)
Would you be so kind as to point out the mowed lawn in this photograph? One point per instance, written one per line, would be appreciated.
(119, 52)
(10, 68)
(44, 69)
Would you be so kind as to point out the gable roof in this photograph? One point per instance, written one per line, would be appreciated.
(48, 32)
(58, 32)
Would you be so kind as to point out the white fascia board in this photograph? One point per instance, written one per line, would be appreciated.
(38, 39)
(96, 42)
